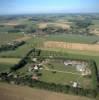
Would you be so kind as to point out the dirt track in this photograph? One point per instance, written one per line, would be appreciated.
(72, 46)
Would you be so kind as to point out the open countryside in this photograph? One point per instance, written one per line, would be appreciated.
(49, 50)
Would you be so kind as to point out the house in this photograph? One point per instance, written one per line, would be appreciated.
(36, 67)
(34, 59)
(66, 63)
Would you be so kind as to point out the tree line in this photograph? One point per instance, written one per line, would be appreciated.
(11, 46)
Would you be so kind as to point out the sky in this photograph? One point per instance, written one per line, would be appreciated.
(48, 6)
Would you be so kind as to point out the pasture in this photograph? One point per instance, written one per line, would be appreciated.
(5, 67)
(55, 71)
(9, 60)
(21, 51)
(73, 38)
(7, 63)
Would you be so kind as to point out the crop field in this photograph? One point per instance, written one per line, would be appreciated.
(11, 23)
(13, 92)
(73, 38)
(21, 51)
(72, 46)
(39, 41)
(9, 60)
(7, 63)
(55, 24)
(5, 38)
(5, 67)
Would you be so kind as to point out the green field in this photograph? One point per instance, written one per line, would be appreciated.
(21, 51)
(9, 60)
(5, 37)
(73, 38)
(7, 63)
(38, 42)
(95, 23)
(5, 67)
(55, 71)
(65, 78)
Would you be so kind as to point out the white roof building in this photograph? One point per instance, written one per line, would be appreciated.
(34, 59)
(36, 68)
(75, 84)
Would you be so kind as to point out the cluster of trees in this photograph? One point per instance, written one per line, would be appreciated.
(23, 61)
(19, 26)
(11, 46)
(53, 30)
(36, 53)
(83, 23)
(81, 27)
(95, 76)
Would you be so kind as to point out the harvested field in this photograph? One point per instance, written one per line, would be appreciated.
(95, 31)
(56, 24)
(12, 92)
(25, 38)
(72, 46)
(12, 23)
(42, 25)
